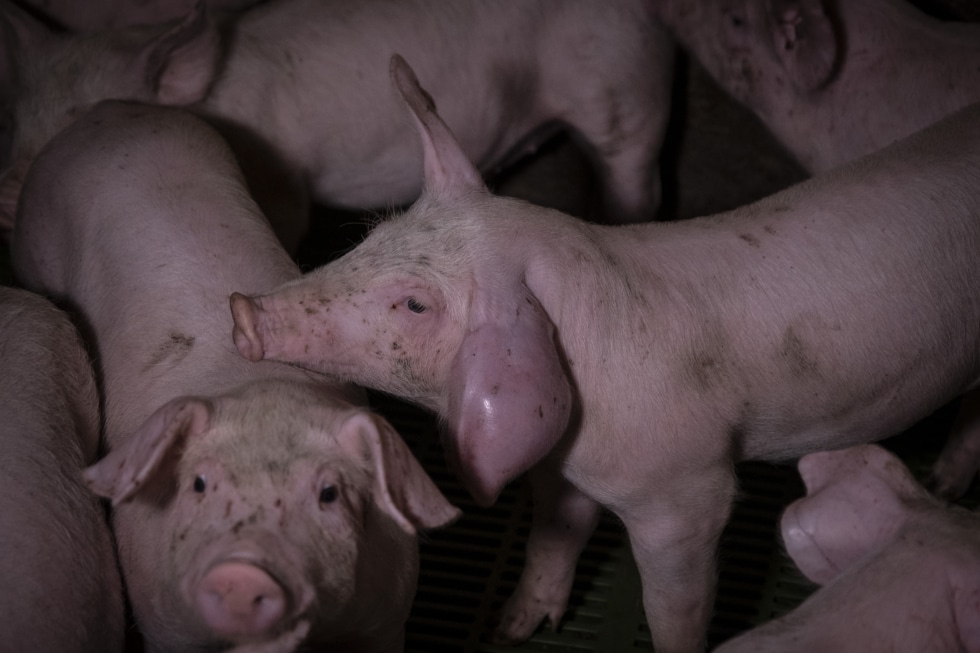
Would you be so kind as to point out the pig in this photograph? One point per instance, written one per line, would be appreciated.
(629, 367)
(255, 506)
(302, 86)
(833, 82)
(109, 14)
(900, 570)
(62, 590)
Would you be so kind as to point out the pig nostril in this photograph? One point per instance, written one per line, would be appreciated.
(237, 599)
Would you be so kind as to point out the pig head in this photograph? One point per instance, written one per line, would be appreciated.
(475, 347)
(287, 515)
(900, 570)
(171, 64)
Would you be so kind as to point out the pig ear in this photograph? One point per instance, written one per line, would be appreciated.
(121, 474)
(447, 167)
(511, 398)
(857, 499)
(402, 488)
(804, 40)
(181, 63)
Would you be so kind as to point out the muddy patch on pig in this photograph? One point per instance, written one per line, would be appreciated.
(175, 348)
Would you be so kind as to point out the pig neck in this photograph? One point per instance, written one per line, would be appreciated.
(901, 70)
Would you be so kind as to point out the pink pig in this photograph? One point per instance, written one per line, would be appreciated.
(61, 585)
(302, 86)
(836, 81)
(832, 81)
(630, 367)
(255, 507)
(900, 571)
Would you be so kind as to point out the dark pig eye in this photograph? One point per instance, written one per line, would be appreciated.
(200, 483)
(328, 494)
(415, 305)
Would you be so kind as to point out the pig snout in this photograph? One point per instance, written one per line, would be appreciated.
(238, 599)
(247, 340)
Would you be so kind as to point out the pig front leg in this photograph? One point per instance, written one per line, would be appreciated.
(562, 522)
(959, 461)
(674, 536)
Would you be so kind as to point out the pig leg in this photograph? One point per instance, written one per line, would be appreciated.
(675, 538)
(562, 522)
(959, 461)
(624, 136)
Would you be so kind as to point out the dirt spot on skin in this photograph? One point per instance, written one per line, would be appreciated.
(750, 239)
(794, 351)
(175, 348)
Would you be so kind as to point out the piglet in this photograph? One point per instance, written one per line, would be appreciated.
(832, 80)
(302, 85)
(900, 570)
(254, 506)
(630, 367)
(61, 586)
(836, 81)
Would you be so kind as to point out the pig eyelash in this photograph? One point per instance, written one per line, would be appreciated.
(415, 305)
(200, 484)
(328, 494)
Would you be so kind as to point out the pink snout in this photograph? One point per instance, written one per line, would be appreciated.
(237, 599)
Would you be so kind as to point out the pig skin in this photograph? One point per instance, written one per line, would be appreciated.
(900, 570)
(229, 480)
(300, 92)
(629, 367)
(834, 81)
(61, 584)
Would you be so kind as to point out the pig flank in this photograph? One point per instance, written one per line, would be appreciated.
(908, 546)
(746, 335)
(138, 217)
(62, 590)
(301, 83)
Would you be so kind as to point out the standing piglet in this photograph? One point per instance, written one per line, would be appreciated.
(61, 587)
(835, 81)
(900, 571)
(254, 507)
(630, 367)
(302, 84)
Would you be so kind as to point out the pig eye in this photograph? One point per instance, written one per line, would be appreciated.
(415, 305)
(200, 483)
(328, 494)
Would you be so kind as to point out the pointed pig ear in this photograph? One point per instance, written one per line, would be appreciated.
(511, 399)
(402, 488)
(121, 473)
(181, 63)
(446, 165)
(804, 40)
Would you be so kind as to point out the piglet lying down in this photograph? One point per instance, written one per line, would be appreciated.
(630, 367)
(900, 570)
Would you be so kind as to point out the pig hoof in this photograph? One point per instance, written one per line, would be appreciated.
(516, 625)
(247, 340)
(237, 599)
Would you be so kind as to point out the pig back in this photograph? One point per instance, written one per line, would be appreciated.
(62, 590)
(139, 217)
